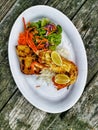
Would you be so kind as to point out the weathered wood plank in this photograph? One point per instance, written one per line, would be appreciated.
(7, 85)
(83, 116)
(19, 114)
(87, 24)
(68, 7)
(5, 5)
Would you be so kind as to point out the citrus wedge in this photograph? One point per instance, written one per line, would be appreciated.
(56, 58)
(61, 79)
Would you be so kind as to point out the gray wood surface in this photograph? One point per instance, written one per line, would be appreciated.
(5, 6)
(86, 22)
(16, 113)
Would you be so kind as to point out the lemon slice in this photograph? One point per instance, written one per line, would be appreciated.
(61, 79)
(56, 58)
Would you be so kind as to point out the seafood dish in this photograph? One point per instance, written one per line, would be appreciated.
(36, 51)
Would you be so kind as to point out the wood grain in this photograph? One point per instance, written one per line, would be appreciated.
(5, 6)
(19, 114)
(87, 24)
(68, 7)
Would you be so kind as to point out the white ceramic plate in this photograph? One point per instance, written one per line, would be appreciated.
(46, 97)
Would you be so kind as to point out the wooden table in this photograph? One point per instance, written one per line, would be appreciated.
(16, 113)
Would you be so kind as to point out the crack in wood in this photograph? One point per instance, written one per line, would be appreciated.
(72, 17)
(8, 100)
